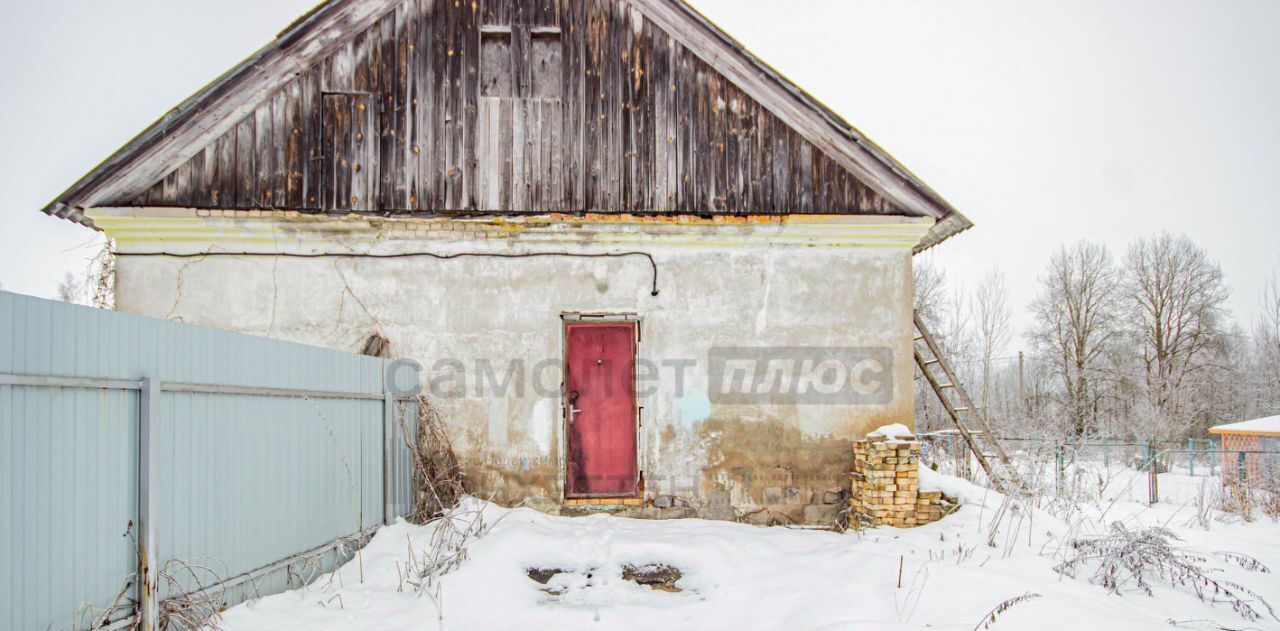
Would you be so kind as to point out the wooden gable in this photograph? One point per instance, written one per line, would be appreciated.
(491, 106)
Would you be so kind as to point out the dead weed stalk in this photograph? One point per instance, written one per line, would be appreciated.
(198, 604)
(1003, 607)
(1129, 559)
(438, 476)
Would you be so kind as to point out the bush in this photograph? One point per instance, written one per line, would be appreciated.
(437, 475)
(1129, 559)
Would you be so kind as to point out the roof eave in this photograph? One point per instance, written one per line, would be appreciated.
(96, 187)
(944, 229)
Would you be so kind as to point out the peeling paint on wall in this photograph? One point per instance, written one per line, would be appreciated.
(540, 421)
(695, 407)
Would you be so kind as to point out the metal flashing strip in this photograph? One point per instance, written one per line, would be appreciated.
(42, 381)
(268, 392)
(168, 386)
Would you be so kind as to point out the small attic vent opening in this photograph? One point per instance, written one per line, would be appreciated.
(495, 62)
(521, 63)
(548, 66)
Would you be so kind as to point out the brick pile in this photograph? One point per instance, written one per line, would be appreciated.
(886, 484)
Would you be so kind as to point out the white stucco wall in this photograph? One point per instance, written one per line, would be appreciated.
(720, 285)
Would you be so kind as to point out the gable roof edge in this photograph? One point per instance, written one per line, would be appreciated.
(304, 41)
(809, 116)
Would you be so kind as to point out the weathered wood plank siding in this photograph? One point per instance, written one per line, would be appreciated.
(513, 106)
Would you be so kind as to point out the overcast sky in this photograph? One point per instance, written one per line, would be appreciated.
(1044, 122)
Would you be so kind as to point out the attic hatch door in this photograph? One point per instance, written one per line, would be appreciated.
(600, 409)
(349, 137)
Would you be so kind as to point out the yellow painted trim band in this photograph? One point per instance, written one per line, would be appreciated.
(188, 230)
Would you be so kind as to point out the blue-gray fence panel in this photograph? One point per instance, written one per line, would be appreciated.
(69, 466)
(244, 479)
(400, 465)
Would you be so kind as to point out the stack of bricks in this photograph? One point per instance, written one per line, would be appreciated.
(928, 507)
(886, 484)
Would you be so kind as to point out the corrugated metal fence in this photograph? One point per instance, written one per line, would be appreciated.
(221, 454)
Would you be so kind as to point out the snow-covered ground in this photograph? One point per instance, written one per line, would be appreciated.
(738, 577)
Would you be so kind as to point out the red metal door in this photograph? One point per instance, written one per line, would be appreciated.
(600, 409)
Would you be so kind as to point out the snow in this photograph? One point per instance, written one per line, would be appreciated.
(964, 491)
(1268, 425)
(738, 577)
(896, 431)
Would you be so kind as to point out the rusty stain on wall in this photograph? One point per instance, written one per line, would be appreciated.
(769, 462)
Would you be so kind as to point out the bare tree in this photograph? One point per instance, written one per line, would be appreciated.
(1176, 295)
(1266, 336)
(100, 281)
(930, 303)
(930, 291)
(69, 289)
(97, 286)
(955, 326)
(991, 303)
(948, 313)
(1075, 323)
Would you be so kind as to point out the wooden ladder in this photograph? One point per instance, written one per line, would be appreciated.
(964, 414)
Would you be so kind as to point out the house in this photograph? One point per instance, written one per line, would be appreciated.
(1245, 447)
(637, 265)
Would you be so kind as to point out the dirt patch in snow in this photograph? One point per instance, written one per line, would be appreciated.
(655, 576)
(543, 575)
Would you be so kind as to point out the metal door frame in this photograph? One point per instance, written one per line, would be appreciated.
(577, 317)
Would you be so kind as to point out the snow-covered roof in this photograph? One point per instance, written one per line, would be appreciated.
(1269, 426)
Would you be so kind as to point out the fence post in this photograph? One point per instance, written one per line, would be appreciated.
(148, 493)
(1058, 469)
(1191, 447)
(1242, 468)
(388, 409)
(1153, 488)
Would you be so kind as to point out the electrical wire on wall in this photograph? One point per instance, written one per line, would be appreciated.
(402, 255)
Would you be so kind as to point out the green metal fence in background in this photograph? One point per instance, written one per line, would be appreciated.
(1091, 467)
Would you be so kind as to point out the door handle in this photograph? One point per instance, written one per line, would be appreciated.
(573, 398)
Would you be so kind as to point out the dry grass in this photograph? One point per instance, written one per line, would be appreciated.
(199, 602)
(438, 477)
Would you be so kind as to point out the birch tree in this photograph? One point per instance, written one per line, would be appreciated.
(1175, 295)
(1075, 323)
